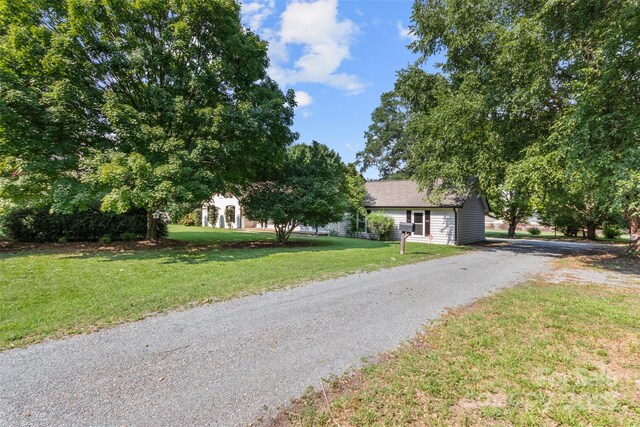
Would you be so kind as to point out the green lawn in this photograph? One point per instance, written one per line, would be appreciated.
(502, 234)
(56, 292)
(534, 355)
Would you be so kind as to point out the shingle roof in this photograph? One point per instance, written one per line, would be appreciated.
(404, 193)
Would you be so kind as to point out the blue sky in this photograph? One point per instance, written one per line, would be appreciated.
(339, 57)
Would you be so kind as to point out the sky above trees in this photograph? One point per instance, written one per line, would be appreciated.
(339, 57)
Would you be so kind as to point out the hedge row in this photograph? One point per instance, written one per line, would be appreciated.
(40, 225)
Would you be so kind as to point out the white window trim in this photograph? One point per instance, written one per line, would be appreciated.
(413, 219)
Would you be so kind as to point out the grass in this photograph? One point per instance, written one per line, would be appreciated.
(621, 263)
(56, 292)
(533, 355)
(502, 234)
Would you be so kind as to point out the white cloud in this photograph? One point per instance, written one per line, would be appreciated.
(306, 113)
(254, 13)
(324, 41)
(404, 32)
(303, 99)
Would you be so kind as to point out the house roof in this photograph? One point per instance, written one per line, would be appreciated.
(405, 193)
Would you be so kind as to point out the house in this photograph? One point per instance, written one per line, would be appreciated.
(213, 213)
(450, 221)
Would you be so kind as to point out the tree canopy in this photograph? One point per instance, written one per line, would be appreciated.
(310, 188)
(140, 104)
(531, 95)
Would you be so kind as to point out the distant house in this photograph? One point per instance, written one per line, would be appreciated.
(213, 212)
(454, 220)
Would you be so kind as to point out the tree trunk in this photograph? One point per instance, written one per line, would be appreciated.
(591, 231)
(151, 226)
(279, 233)
(634, 232)
(511, 233)
(283, 231)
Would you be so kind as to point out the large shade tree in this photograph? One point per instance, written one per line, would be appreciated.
(175, 105)
(50, 105)
(497, 102)
(526, 83)
(600, 130)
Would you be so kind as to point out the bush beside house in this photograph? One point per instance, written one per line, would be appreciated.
(381, 225)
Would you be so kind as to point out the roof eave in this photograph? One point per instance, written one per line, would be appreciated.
(412, 206)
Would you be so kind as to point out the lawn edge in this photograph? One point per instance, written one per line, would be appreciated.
(64, 335)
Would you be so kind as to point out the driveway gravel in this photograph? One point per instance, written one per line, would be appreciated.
(228, 363)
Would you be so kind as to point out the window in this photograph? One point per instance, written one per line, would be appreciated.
(418, 220)
(422, 221)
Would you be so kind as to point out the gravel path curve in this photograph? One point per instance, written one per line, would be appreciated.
(229, 363)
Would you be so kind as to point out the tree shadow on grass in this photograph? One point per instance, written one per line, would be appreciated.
(188, 253)
(619, 263)
(554, 249)
(572, 255)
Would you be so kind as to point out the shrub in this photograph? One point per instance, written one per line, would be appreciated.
(197, 217)
(105, 239)
(41, 225)
(129, 236)
(62, 240)
(212, 215)
(381, 225)
(230, 216)
(533, 231)
(175, 211)
(188, 219)
(570, 231)
(611, 231)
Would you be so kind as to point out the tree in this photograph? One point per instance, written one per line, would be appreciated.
(600, 131)
(388, 138)
(386, 141)
(176, 97)
(356, 191)
(309, 188)
(50, 102)
(528, 82)
(356, 197)
(493, 103)
(577, 201)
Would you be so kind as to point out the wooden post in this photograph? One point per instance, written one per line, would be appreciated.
(403, 238)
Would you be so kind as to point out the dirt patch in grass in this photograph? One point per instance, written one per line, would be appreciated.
(619, 358)
(613, 269)
(617, 262)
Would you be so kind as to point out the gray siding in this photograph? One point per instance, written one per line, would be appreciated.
(471, 221)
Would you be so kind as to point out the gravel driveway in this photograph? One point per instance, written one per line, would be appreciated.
(229, 363)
